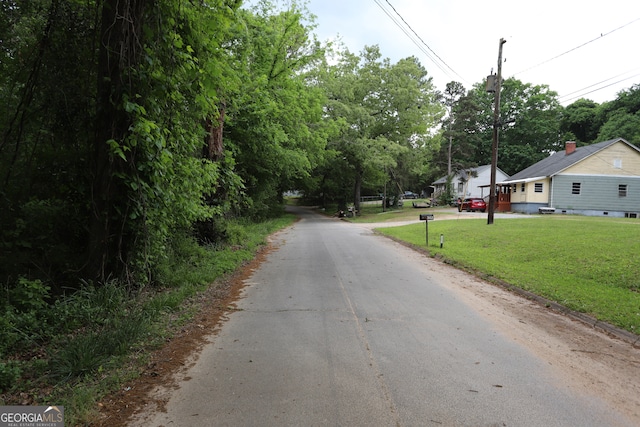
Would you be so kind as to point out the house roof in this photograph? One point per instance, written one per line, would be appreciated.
(464, 173)
(559, 161)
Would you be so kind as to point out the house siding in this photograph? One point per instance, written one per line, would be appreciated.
(528, 201)
(599, 169)
(598, 194)
(617, 160)
(473, 186)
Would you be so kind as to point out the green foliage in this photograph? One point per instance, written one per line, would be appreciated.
(530, 121)
(621, 124)
(23, 323)
(28, 295)
(579, 119)
(93, 336)
(89, 352)
(620, 118)
(381, 113)
(275, 132)
(9, 374)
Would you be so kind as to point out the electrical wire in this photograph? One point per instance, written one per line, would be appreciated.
(422, 41)
(595, 90)
(577, 47)
(417, 40)
(405, 31)
(603, 81)
(441, 64)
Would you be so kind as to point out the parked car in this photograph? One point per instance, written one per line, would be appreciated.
(472, 204)
(409, 195)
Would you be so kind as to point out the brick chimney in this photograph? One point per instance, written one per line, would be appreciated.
(570, 147)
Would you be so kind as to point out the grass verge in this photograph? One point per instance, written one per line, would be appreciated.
(587, 264)
(87, 345)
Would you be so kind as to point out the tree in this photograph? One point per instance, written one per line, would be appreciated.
(452, 94)
(530, 121)
(620, 118)
(579, 121)
(384, 112)
(621, 124)
(47, 96)
(103, 104)
(275, 129)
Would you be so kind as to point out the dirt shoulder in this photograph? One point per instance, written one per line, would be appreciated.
(586, 359)
(149, 392)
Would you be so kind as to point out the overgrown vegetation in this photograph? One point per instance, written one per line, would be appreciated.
(73, 349)
(586, 264)
(142, 144)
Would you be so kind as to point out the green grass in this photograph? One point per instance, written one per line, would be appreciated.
(88, 344)
(591, 265)
(372, 211)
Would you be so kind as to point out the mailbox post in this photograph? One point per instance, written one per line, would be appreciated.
(426, 218)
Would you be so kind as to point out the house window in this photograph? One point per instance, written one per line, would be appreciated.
(617, 163)
(575, 188)
(522, 187)
(622, 190)
(460, 187)
(538, 187)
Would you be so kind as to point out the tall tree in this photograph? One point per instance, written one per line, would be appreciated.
(102, 130)
(530, 121)
(119, 56)
(384, 111)
(621, 117)
(47, 88)
(274, 121)
(452, 94)
(578, 121)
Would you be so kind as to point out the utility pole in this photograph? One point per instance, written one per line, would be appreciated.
(494, 146)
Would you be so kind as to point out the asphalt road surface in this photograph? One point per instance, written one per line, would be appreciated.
(341, 327)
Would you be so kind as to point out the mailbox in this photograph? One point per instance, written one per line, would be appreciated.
(426, 217)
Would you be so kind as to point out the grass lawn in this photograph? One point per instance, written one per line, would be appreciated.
(588, 264)
(372, 212)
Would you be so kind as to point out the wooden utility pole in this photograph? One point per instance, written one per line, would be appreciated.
(494, 147)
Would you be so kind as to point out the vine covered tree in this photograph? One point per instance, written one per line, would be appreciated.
(103, 104)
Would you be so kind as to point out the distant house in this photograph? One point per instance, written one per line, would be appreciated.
(474, 182)
(601, 179)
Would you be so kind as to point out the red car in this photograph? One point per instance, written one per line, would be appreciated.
(473, 204)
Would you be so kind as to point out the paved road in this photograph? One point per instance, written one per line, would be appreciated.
(341, 327)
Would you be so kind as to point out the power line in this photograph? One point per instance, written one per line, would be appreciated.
(422, 41)
(404, 30)
(416, 36)
(603, 81)
(577, 47)
(600, 88)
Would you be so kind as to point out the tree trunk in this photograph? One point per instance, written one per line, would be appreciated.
(214, 145)
(357, 192)
(120, 34)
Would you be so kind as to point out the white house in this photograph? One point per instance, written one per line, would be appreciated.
(473, 182)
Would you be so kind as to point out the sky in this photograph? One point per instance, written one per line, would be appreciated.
(578, 48)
